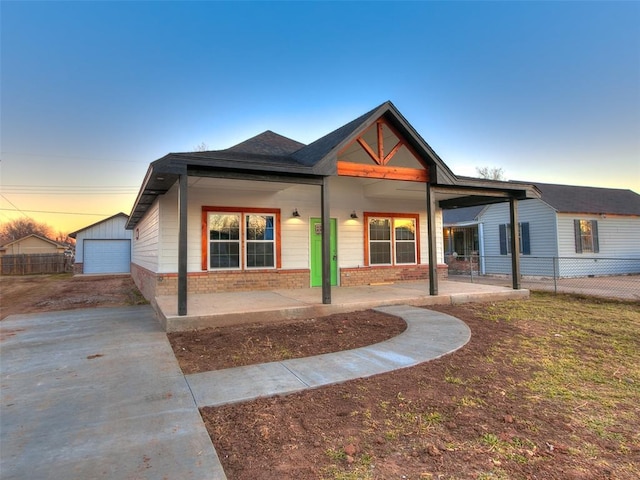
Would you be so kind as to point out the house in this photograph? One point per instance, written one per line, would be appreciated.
(568, 231)
(360, 205)
(104, 247)
(32, 244)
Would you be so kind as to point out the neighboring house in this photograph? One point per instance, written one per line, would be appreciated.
(32, 244)
(568, 231)
(104, 247)
(358, 206)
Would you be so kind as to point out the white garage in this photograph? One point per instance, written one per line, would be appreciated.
(104, 247)
(107, 256)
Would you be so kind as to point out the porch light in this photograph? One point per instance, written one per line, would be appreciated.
(354, 214)
(295, 213)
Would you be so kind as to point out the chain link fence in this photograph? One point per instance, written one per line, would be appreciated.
(595, 276)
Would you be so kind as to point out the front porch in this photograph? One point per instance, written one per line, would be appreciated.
(221, 309)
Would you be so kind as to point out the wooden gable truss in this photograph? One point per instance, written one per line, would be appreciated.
(381, 167)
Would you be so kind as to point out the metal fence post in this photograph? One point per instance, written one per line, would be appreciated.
(555, 282)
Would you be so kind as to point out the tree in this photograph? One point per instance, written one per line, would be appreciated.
(21, 227)
(201, 147)
(491, 173)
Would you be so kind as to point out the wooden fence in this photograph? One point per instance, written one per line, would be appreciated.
(31, 264)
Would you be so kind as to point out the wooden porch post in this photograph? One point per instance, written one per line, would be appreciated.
(326, 242)
(433, 254)
(182, 244)
(515, 243)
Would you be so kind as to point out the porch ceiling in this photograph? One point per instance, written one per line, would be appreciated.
(237, 185)
(449, 198)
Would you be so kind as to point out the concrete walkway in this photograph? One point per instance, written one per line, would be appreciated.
(97, 394)
(429, 335)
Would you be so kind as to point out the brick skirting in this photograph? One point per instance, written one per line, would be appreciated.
(351, 277)
(153, 284)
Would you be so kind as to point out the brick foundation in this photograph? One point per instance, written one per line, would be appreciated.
(78, 268)
(153, 284)
(350, 277)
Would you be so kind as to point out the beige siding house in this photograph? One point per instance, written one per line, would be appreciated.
(30, 245)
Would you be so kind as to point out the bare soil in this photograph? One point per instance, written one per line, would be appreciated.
(45, 293)
(473, 414)
(546, 389)
(234, 346)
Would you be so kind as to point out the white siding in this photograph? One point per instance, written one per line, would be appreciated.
(542, 236)
(146, 238)
(110, 229)
(618, 238)
(345, 197)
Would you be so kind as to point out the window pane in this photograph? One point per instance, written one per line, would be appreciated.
(260, 227)
(379, 229)
(586, 236)
(224, 227)
(405, 252)
(380, 253)
(260, 254)
(405, 229)
(224, 254)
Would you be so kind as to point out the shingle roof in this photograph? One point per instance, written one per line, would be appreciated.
(273, 156)
(594, 200)
(318, 149)
(267, 143)
(461, 215)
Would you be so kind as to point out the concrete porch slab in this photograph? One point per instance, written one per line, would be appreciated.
(221, 309)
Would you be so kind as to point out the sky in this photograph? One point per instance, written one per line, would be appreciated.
(92, 92)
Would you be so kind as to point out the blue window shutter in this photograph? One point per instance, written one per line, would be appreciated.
(594, 235)
(576, 231)
(503, 239)
(524, 237)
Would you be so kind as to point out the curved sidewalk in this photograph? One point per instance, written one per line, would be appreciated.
(429, 335)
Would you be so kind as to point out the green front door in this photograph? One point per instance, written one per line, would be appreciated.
(316, 252)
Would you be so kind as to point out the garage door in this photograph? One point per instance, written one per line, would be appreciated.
(107, 256)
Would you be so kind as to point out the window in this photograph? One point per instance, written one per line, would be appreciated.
(224, 241)
(260, 241)
(391, 239)
(586, 235)
(505, 238)
(240, 239)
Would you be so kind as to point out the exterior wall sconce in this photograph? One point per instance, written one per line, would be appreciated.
(354, 214)
(295, 213)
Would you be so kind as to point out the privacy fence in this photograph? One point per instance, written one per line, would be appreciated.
(31, 264)
(605, 277)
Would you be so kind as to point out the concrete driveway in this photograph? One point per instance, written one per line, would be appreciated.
(97, 394)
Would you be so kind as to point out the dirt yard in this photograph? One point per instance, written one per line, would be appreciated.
(45, 293)
(546, 389)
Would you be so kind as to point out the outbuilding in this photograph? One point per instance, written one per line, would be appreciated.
(104, 247)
